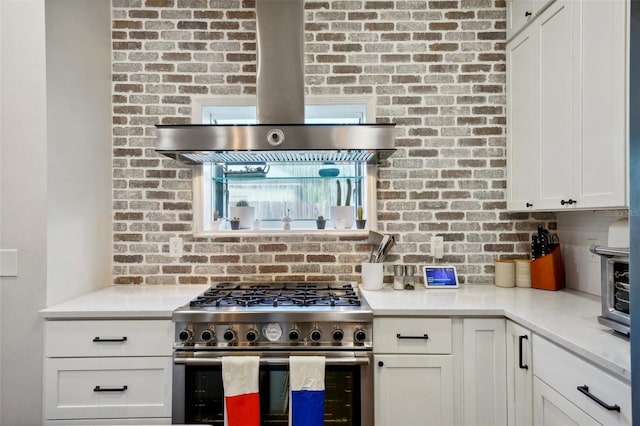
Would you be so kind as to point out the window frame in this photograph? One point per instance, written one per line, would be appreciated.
(203, 224)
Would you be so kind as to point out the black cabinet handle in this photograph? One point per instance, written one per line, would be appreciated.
(528, 205)
(423, 337)
(585, 390)
(99, 389)
(569, 201)
(99, 339)
(527, 14)
(380, 364)
(520, 340)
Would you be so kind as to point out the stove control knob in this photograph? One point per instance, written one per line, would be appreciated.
(337, 334)
(359, 335)
(229, 335)
(208, 335)
(315, 335)
(185, 335)
(294, 334)
(252, 335)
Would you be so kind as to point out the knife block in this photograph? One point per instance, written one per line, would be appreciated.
(547, 272)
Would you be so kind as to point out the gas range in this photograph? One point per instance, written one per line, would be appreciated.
(279, 315)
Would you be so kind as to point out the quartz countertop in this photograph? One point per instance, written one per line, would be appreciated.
(126, 301)
(566, 317)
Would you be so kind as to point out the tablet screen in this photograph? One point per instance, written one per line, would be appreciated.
(440, 277)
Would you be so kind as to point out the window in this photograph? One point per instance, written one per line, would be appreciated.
(279, 193)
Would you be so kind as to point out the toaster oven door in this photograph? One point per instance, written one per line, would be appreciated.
(616, 289)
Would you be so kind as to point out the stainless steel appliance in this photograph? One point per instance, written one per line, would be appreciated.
(274, 321)
(281, 134)
(616, 287)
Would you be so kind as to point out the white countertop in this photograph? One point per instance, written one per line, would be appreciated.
(126, 301)
(565, 317)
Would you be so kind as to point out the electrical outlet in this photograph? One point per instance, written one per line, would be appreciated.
(175, 247)
(593, 258)
(437, 247)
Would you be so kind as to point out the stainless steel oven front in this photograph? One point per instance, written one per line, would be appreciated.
(616, 288)
(198, 395)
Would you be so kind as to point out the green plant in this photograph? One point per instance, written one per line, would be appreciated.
(359, 212)
(320, 217)
(235, 219)
(216, 215)
(347, 201)
(242, 203)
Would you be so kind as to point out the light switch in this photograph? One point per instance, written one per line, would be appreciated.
(9, 263)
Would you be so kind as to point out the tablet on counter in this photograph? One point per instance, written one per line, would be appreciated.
(440, 276)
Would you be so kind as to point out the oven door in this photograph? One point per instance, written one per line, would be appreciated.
(198, 394)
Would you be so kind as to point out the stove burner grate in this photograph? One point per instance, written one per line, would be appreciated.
(278, 294)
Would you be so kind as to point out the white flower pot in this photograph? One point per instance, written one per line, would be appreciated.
(246, 215)
(343, 213)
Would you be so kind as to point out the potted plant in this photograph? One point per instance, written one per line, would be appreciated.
(321, 222)
(235, 223)
(286, 221)
(244, 213)
(360, 222)
(342, 216)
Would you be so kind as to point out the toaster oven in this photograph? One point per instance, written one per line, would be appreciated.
(615, 287)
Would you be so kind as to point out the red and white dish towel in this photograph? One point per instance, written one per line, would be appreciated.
(240, 377)
(307, 390)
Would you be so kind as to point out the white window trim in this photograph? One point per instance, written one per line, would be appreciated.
(202, 200)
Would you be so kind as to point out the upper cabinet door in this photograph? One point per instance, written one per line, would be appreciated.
(523, 118)
(557, 103)
(519, 14)
(601, 178)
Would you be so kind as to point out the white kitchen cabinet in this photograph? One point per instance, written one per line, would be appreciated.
(565, 387)
(523, 111)
(571, 119)
(413, 378)
(519, 375)
(413, 390)
(522, 12)
(552, 409)
(484, 372)
(108, 369)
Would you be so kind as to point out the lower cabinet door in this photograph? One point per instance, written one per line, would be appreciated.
(552, 409)
(413, 390)
(107, 388)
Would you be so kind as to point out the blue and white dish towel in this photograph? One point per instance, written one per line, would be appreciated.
(306, 379)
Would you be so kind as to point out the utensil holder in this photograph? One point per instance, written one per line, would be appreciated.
(547, 272)
(372, 276)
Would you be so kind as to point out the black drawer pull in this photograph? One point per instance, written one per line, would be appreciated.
(585, 390)
(520, 339)
(99, 339)
(423, 337)
(99, 389)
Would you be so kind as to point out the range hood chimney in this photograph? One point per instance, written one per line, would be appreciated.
(280, 135)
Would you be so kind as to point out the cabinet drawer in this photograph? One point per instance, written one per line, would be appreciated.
(106, 388)
(110, 422)
(109, 338)
(564, 372)
(406, 335)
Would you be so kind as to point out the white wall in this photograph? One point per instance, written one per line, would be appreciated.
(575, 230)
(23, 208)
(55, 180)
(79, 134)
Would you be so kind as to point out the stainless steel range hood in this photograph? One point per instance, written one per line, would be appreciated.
(280, 135)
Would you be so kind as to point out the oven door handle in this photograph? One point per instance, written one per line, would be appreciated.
(272, 361)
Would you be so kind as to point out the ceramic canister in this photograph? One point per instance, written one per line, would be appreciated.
(505, 273)
(523, 272)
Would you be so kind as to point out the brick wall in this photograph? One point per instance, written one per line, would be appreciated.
(436, 68)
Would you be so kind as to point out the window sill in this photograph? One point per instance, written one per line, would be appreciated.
(226, 233)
